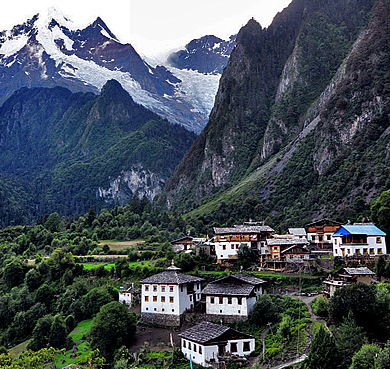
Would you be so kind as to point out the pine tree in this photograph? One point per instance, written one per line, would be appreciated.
(323, 353)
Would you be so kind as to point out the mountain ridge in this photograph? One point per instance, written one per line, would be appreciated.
(308, 95)
(49, 50)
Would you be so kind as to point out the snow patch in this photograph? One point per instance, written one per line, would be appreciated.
(12, 46)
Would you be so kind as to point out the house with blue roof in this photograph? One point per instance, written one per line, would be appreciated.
(359, 239)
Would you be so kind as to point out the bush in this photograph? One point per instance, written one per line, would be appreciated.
(320, 306)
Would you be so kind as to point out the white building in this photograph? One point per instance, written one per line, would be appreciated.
(358, 240)
(298, 232)
(233, 295)
(228, 240)
(167, 295)
(208, 343)
(127, 296)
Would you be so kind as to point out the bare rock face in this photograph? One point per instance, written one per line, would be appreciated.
(135, 182)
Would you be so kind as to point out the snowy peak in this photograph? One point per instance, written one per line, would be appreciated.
(50, 50)
(208, 54)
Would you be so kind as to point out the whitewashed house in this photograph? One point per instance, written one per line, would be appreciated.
(228, 240)
(233, 295)
(358, 239)
(127, 296)
(208, 343)
(167, 295)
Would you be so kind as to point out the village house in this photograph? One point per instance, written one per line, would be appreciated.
(346, 277)
(298, 232)
(208, 343)
(285, 249)
(128, 296)
(167, 295)
(319, 233)
(228, 240)
(232, 296)
(186, 243)
(359, 239)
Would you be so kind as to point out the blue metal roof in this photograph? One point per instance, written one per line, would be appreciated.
(366, 229)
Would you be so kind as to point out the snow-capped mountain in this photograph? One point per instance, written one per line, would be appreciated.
(208, 54)
(48, 50)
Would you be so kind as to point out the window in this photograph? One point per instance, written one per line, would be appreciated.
(155, 309)
(328, 237)
(348, 251)
(246, 346)
(335, 251)
(162, 298)
(181, 288)
(379, 251)
(372, 251)
(365, 251)
(211, 300)
(200, 349)
(358, 252)
(146, 287)
(232, 246)
(194, 347)
(170, 288)
(335, 241)
(229, 300)
(171, 299)
(154, 298)
(233, 347)
(224, 247)
(184, 343)
(162, 288)
(146, 298)
(239, 300)
(319, 239)
(221, 300)
(237, 246)
(190, 298)
(154, 288)
(379, 240)
(189, 345)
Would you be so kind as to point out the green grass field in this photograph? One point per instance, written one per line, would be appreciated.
(19, 348)
(83, 348)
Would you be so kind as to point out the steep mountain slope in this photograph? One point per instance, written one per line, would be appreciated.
(48, 50)
(302, 109)
(80, 149)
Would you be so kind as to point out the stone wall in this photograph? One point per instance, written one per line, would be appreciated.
(214, 318)
(161, 320)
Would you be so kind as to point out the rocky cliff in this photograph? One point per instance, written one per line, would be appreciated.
(302, 109)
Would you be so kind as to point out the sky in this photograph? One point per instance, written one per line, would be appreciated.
(152, 25)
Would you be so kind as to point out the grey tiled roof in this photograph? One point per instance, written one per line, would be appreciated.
(286, 241)
(171, 276)
(304, 249)
(297, 231)
(242, 287)
(244, 277)
(359, 271)
(228, 289)
(242, 229)
(204, 332)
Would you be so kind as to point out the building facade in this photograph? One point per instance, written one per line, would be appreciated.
(359, 240)
(234, 295)
(167, 295)
(208, 343)
(229, 240)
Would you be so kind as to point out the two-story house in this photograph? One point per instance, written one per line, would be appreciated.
(232, 296)
(167, 295)
(359, 239)
(228, 240)
(319, 233)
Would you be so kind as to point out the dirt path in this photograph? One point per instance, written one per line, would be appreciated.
(307, 300)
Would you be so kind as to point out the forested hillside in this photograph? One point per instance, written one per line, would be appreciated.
(64, 152)
(299, 129)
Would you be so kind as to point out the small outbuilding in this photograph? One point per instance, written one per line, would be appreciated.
(208, 343)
